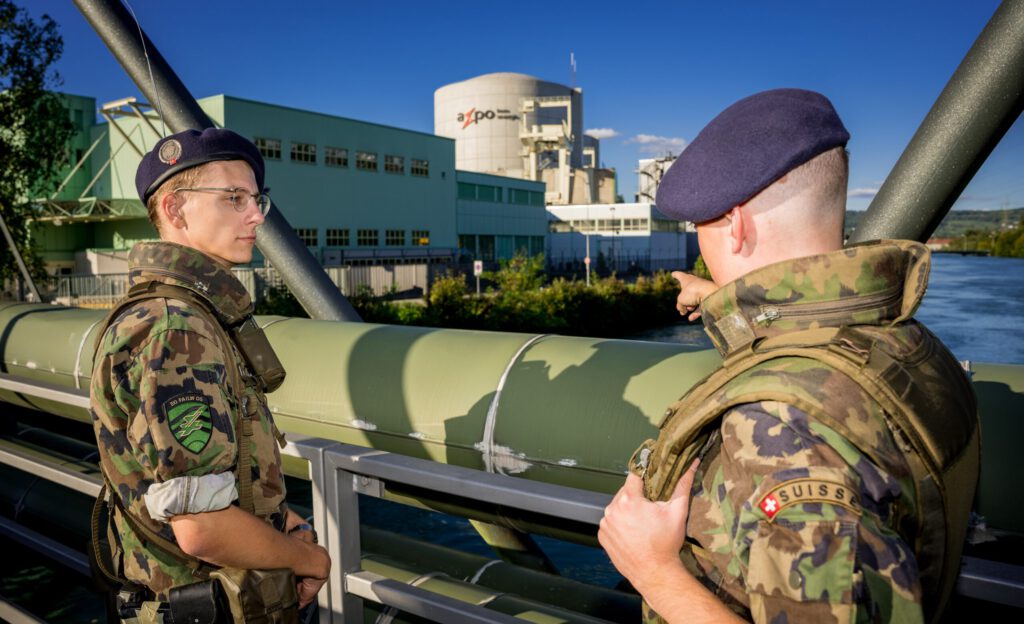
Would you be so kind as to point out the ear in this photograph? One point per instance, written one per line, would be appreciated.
(170, 211)
(737, 228)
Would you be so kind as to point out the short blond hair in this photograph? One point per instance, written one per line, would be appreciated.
(187, 178)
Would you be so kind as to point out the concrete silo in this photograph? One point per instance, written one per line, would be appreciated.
(514, 125)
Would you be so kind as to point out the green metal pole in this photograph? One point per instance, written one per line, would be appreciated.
(979, 104)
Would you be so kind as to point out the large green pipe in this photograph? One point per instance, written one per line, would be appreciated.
(571, 410)
(979, 104)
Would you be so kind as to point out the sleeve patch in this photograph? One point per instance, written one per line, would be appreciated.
(188, 416)
(798, 491)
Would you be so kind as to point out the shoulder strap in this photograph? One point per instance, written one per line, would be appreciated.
(933, 458)
(243, 466)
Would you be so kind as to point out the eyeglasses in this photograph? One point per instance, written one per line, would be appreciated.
(237, 197)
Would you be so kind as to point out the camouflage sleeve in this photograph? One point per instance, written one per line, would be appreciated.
(809, 530)
(174, 395)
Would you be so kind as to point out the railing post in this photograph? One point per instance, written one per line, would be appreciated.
(343, 536)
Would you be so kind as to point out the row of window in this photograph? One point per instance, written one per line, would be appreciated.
(338, 157)
(601, 225)
(489, 247)
(616, 225)
(489, 193)
(339, 237)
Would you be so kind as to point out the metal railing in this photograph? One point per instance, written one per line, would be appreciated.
(382, 279)
(341, 472)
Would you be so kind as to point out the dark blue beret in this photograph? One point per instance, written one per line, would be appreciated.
(191, 148)
(748, 146)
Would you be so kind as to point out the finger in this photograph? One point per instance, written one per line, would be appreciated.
(694, 315)
(680, 276)
(685, 483)
(634, 484)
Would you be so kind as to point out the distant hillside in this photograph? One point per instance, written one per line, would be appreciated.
(957, 222)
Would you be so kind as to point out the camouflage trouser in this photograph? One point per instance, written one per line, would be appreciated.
(147, 614)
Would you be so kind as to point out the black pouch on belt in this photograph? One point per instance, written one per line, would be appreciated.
(199, 603)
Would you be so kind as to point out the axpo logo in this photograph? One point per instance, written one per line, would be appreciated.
(474, 116)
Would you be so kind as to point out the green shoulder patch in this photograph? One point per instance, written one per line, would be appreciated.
(188, 416)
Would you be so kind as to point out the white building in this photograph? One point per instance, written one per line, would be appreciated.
(649, 173)
(519, 126)
(618, 237)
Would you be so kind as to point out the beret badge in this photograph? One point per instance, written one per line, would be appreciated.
(170, 152)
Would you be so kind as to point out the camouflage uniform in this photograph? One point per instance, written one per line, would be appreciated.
(163, 405)
(750, 540)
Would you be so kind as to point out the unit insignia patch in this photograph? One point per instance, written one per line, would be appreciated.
(188, 416)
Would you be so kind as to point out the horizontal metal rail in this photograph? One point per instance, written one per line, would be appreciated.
(991, 581)
(43, 390)
(10, 612)
(340, 472)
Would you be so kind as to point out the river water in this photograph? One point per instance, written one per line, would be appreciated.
(974, 304)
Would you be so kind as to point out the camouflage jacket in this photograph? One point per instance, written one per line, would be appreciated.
(158, 362)
(750, 538)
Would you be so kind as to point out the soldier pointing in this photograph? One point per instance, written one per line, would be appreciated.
(825, 472)
(188, 448)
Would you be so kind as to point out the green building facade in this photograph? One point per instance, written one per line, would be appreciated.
(355, 192)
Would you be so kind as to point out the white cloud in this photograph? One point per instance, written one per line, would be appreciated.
(654, 144)
(602, 133)
(862, 192)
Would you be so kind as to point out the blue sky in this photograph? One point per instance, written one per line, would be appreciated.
(652, 73)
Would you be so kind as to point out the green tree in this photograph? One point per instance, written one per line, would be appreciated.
(34, 124)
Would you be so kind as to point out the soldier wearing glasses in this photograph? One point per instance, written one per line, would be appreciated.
(169, 396)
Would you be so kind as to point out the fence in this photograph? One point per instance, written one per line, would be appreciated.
(101, 291)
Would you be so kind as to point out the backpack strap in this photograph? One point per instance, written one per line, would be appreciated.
(940, 461)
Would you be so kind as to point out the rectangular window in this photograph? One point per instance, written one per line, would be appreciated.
(488, 193)
(367, 238)
(367, 161)
(394, 164)
(269, 148)
(420, 238)
(394, 238)
(525, 198)
(419, 167)
(486, 248)
(467, 247)
(467, 190)
(336, 157)
(308, 236)
(337, 237)
(304, 152)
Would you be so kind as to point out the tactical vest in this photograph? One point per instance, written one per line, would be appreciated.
(916, 382)
(248, 351)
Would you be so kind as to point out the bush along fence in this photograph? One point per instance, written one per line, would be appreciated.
(519, 298)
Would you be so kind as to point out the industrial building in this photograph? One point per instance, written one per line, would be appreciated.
(357, 193)
(519, 126)
(623, 238)
(649, 173)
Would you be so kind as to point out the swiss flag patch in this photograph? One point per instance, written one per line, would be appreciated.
(769, 505)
